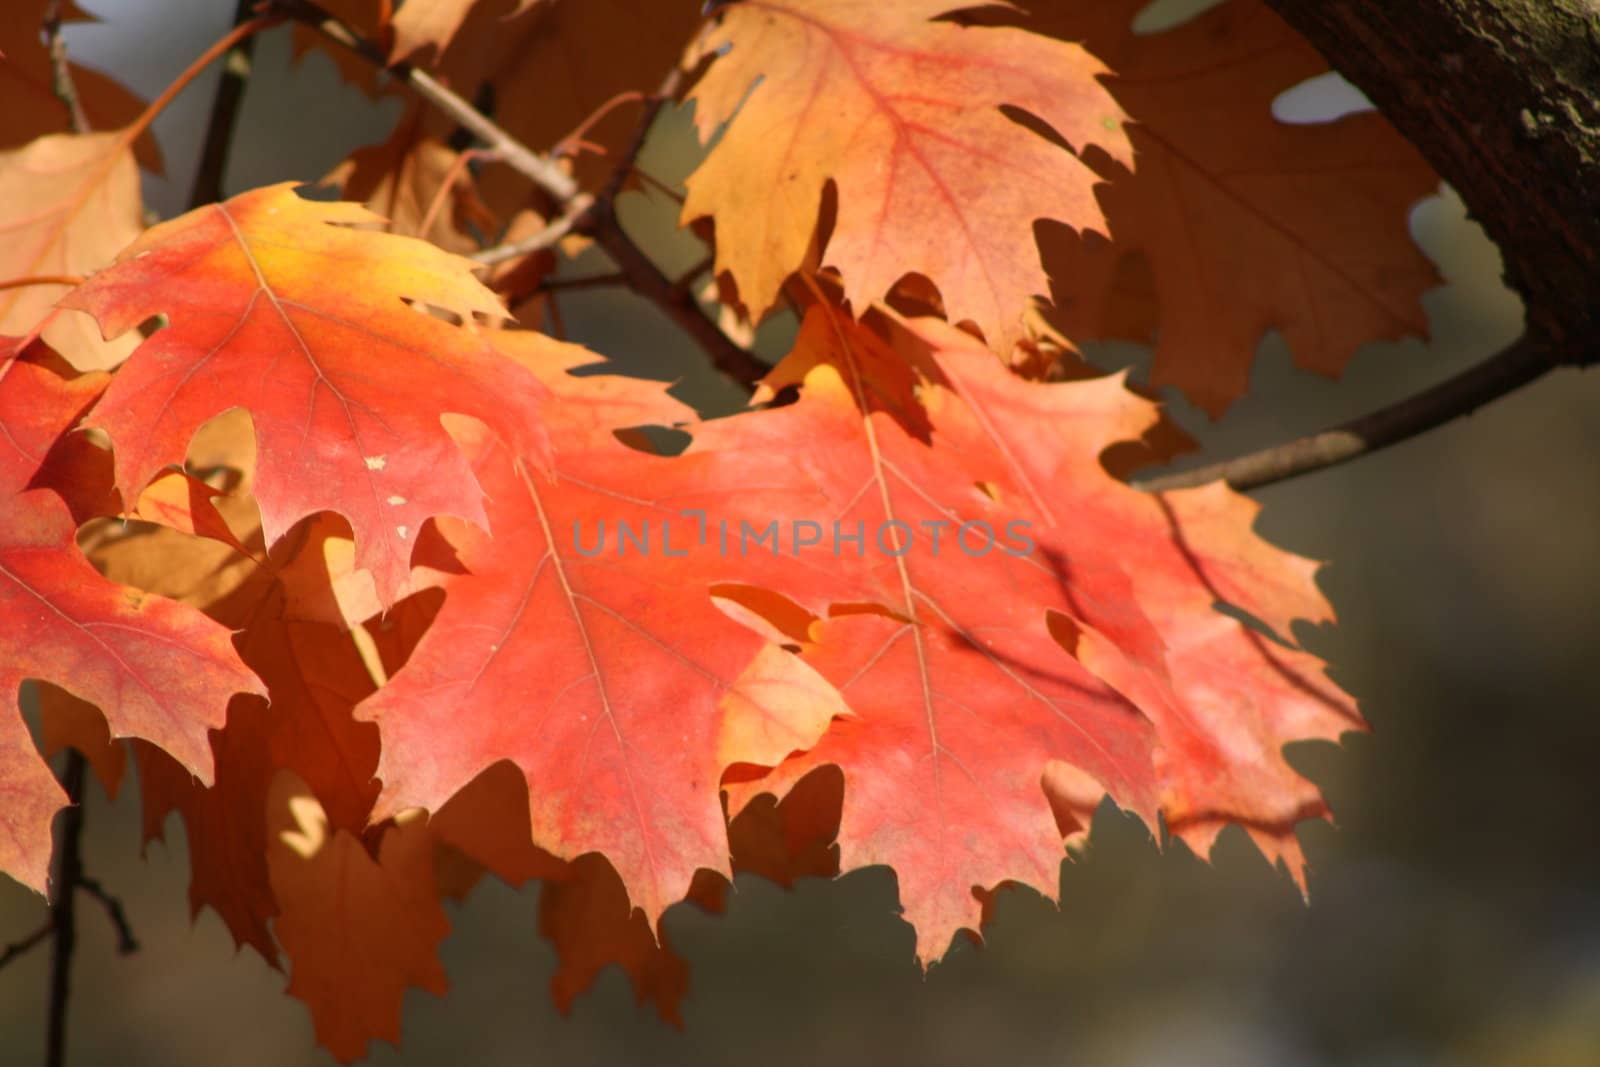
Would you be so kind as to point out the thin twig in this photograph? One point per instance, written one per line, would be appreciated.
(61, 69)
(63, 913)
(566, 222)
(592, 281)
(541, 171)
(41, 279)
(679, 304)
(27, 944)
(1508, 370)
(236, 69)
(127, 944)
(644, 276)
(593, 216)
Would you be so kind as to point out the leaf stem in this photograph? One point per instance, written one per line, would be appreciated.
(221, 48)
(41, 279)
(21, 948)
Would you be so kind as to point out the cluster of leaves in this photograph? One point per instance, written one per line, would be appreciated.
(339, 607)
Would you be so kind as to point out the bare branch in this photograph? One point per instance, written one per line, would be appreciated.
(61, 69)
(1453, 398)
(548, 237)
(592, 281)
(541, 170)
(22, 947)
(594, 216)
(63, 909)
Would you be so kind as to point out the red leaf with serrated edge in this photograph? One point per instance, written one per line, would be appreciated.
(903, 114)
(969, 678)
(605, 676)
(278, 306)
(1225, 699)
(157, 669)
(964, 693)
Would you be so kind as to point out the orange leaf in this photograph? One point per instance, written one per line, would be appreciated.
(68, 204)
(606, 676)
(1247, 223)
(960, 690)
(157, 669)
(179, 500)
(423, 24)
(403, 179)
(997, 696)
(277, 305)
(358, 929)
(1224, 698)
(67, 722)
(904, 116)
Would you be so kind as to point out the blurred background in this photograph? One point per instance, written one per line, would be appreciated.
(1455, 911)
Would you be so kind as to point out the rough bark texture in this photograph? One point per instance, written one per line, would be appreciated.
(1503, 97)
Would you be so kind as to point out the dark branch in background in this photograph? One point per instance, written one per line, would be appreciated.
(63, 910)
(236, 69)
(1496, 376)
(579, 212)
(1503, 98)
(600, 223)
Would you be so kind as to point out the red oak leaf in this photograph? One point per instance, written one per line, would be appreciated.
(277, 305)
(903, 115)
(605, 675)
(157, 669)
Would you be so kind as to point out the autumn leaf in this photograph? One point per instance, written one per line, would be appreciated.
(277, 305)
(68, 204)
(1225, 699)
(314, 672)
(604, 675)
(985, 726)
(67, 722)
(904, 116)
(358, 929)
(1244, 223)
(405, 178)
(960, 695)
(157, 669)
(584, 910)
